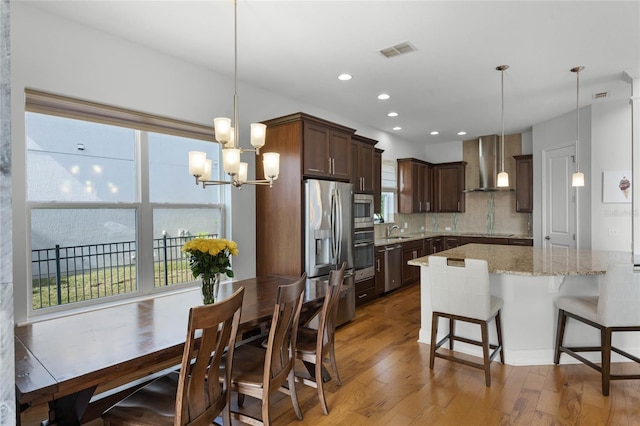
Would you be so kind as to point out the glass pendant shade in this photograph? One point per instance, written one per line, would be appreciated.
(258, 134)
(222, 126)
(577, 179)
(231, 160)
(503, 180)
(271, 165)
(242, 173)
(197, 160)
(207, 171)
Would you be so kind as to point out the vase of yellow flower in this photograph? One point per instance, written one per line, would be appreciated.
(208, 258)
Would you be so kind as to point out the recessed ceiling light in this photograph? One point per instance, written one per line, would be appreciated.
(383, 96)
(397, 128)
(435, 132)
(462, 133)
(345, 77)
(393, 114)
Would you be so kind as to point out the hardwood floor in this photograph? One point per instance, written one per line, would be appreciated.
(386, 380)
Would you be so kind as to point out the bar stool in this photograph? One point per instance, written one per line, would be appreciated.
(460, 292)
(616, 308)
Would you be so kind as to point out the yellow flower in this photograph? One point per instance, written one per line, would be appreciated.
(208, 256)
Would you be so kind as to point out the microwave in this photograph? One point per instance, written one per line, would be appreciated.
(363, 211)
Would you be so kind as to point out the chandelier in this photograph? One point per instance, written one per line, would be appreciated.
(228, 135)
(577, 179)
(503, 177)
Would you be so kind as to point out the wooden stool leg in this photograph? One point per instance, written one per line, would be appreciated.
(605, 343)
(434, 333)
(499, 332)
(562, 322)
(485, 353)
(452, 325)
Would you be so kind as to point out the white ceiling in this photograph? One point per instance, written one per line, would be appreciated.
(297, 48)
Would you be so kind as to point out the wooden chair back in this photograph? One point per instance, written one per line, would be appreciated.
(329, 313)
(201, 395)
(281, 344)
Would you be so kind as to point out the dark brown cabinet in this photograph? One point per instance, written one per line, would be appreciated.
(450, 242)
(362, 164)
(484, 240)
(415, 186)
(521, 242)
(377, 181)
(411, 250)
(379, 269)
(448, 179)
(365, 291)
(308, 147)
(326, 150)
(524, 183)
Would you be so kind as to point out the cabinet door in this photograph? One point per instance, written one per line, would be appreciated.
(379, 268)
(365, 166)
(411, 250)
(416, 186)
(524, 183)
(425, 188)
(340, 154)
(449, 184)
(377, 181)
(315, 150)
(405, 186)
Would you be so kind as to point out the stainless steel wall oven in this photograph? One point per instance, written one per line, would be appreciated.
(364, 254)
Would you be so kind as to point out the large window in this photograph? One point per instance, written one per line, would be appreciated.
(110, 201)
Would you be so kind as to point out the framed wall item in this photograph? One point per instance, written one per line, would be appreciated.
(616, 186)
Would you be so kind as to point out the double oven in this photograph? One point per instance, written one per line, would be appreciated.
(364, 237)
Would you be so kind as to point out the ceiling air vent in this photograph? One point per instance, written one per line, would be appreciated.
(398, 49)
(601, 95)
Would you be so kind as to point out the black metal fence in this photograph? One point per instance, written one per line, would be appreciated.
(64, 275)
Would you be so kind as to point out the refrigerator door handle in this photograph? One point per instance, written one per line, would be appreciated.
(338, 235)
(332, 220)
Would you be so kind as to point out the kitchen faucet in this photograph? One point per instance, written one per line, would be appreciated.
(390, 229)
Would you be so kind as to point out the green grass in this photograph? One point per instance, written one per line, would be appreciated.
(102, 282)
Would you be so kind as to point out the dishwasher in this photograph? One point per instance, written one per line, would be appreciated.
(392, 267)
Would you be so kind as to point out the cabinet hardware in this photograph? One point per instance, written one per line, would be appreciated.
(458, 205)
(362, 296)
(378, 265)
(315, 170)
(517, 205)
(419, 206)
(428, 205)
(329, 159)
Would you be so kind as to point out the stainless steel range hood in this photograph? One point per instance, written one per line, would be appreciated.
(488, 152)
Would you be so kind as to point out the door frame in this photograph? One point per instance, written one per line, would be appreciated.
(543, 228)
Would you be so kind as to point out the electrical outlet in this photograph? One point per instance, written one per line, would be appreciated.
(613, 231)
(447, 228)
(406, 225)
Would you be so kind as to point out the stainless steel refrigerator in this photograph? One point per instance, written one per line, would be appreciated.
(329, 236)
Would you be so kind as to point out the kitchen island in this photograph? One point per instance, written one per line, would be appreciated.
(528, 279)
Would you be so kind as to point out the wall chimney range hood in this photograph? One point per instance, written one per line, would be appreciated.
(488, 164)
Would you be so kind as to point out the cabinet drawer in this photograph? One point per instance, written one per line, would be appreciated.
(366, 296)
(521, 242)
(365, 285)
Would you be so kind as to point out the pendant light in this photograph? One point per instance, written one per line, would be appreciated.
(227, 134)
(577, 179)
(503, 177)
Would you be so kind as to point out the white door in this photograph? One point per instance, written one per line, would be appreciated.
(559, 227)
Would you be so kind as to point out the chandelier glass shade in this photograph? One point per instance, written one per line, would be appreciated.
(227, 134)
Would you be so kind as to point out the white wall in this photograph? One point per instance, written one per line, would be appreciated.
(59, 56)
(611, 150)
(559, 132)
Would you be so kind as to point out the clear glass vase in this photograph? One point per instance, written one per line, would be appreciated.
(210, 289)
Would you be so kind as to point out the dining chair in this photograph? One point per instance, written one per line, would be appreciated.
(260, 372)
(460, 292)
(192, 396)
(315, 346)
(615, 309)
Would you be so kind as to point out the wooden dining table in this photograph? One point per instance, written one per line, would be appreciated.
(65, 361)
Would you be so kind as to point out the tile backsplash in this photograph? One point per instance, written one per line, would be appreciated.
(486, 213)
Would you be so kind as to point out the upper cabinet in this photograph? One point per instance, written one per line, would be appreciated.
(524, 183)
(377, 181)
(362, 164)
(326, 149)
(448, 184)
(415, 186)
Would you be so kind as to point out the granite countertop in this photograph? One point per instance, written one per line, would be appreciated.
(533, 261)
(412, 237)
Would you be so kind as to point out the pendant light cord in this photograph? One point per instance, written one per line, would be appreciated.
(236, 126)
(502, 92)
(577, 117)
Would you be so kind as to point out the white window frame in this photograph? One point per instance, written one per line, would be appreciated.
(44, 103)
